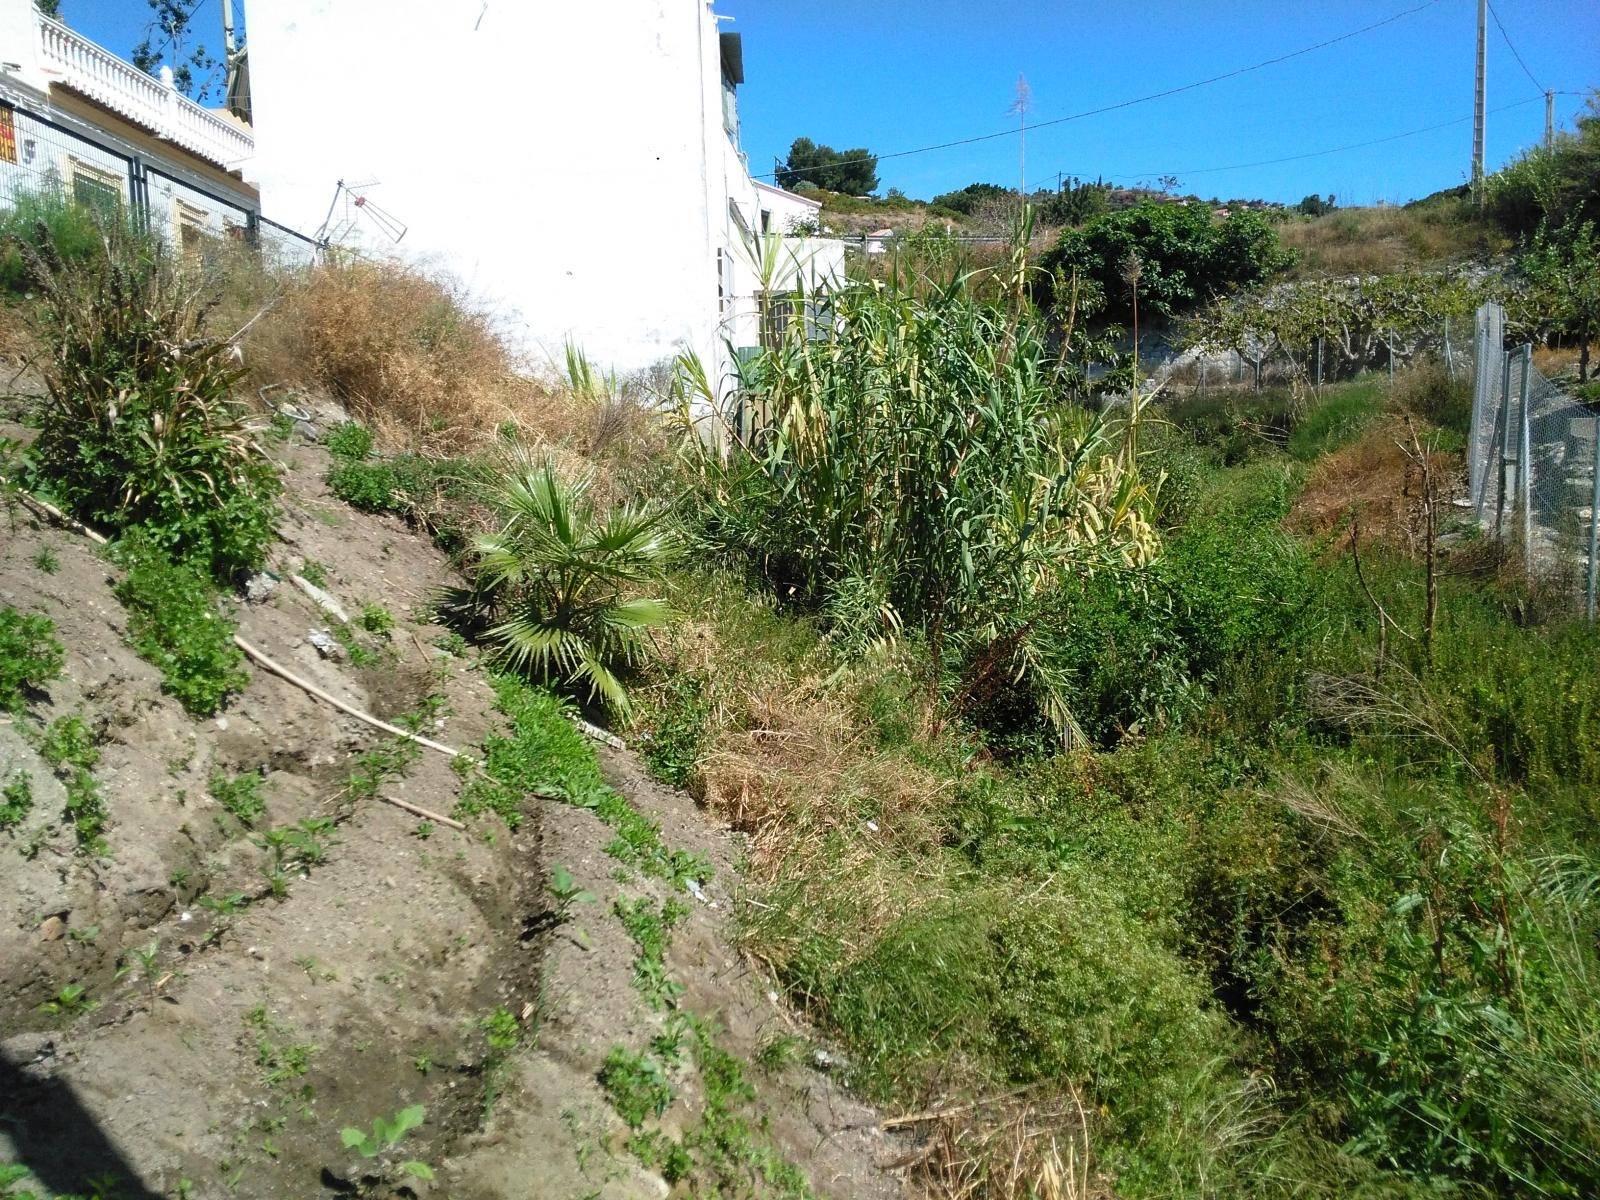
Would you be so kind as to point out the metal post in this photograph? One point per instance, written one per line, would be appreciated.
(1594, 524)
(1505, 447)
(1449, 359)
(1388, 347)
(1478, 103)
(1525, 467)
(1549, 119)
(1319, 362)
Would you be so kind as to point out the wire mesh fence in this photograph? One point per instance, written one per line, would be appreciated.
(41, 156)
(1533, 464)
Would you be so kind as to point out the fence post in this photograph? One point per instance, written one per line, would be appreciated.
(1449, 359)
(1388, 347)
(1505, 447)
(1525, 466)
(1319, 362)
(1594, 524)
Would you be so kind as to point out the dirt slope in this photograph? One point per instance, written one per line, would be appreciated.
(266, 1024)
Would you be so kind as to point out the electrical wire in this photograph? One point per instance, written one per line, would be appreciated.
(1095, 112)
(1501, 26)
(1393, 137)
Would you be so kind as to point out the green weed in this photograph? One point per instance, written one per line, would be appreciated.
(46, 561)
(651, 928)
(30, 656)
(72, 751)
(175, 621)
(636, 1085)
(71, 1001)
(16, 800)
(240, 795)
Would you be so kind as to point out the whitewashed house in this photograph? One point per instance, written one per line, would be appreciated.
(77, 121)
(577, 166)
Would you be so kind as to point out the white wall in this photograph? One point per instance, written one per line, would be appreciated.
(520, 142)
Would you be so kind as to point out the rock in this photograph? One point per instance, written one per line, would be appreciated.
(322, 599)
(53, 928)
(325, 644)
(28, 1048)
(259, 587)
(307, 430)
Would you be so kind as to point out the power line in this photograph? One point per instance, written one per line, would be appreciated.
(1095, 112)
(1501, 26)
(1394, 137)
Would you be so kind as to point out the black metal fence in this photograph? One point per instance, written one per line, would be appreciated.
(43, 156)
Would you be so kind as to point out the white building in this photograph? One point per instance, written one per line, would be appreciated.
(577, 166)
(77, 121)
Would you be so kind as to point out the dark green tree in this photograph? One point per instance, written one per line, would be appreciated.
(1186, 256)
(169, 39)
(50, 8)
(853, 172)
(1315, 205)
(966, 200)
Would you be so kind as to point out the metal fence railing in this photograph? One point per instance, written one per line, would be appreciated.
(43, 156)
(1533, 464)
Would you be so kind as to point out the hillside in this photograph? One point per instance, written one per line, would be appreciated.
(947, 775)
(265, 952)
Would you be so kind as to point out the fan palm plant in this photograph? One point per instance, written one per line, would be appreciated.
(556, 580)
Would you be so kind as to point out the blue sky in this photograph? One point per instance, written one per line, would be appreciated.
(899, 74)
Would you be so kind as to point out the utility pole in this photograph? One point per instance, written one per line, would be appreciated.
(1549, 119)
(227, 27)
(1478, 103)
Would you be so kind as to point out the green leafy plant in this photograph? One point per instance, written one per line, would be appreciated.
(46, 561)
(240, 795)
(71, 1001)
(350, 441)
(176, 622)
(72, 751)
(30, 656)
(567, 891)
(16, 800)
(386, 1132)
(651, 928)
(554, 582)
(636, 1084)
(137, 424)
(376, 619)
(314, 573)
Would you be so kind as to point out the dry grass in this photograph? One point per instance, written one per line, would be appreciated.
(1372, 478)
(1365, 241)
(410, 355)
(1009, 1148)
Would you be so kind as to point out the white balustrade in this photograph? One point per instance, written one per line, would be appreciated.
(124, 89)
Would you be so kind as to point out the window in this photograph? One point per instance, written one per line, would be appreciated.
(730, 110)
(193, 225)
(95, 187)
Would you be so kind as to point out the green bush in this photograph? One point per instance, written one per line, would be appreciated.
(30, 656)
(137, 426)
(350, 441)
(175, 621)
(36, 222)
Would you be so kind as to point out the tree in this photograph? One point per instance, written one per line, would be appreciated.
(967, 200)
(1553, 187)
(1315, 206)
(1188, 256)
(50, 8)
(1563, 267)
(853, 172)
(167, 41)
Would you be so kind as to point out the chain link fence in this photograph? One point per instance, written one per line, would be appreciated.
(1533, 464)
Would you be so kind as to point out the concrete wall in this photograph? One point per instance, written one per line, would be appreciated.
(566, 161)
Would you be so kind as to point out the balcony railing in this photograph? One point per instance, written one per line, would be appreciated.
(79, 64)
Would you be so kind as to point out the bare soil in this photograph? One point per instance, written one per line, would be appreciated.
(232, 1067)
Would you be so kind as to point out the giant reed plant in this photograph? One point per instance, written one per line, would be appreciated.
(909, 459)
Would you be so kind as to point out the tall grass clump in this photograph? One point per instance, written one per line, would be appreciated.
(914, 465)
(138, 426)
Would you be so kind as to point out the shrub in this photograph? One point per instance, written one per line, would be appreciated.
(174, 621)
(30, 656)
(137, 427)
(45, 221)
(554, 580)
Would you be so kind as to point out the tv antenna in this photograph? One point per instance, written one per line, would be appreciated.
(349, 204)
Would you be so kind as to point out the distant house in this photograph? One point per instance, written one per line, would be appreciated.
(77, 121)
(578, 166)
